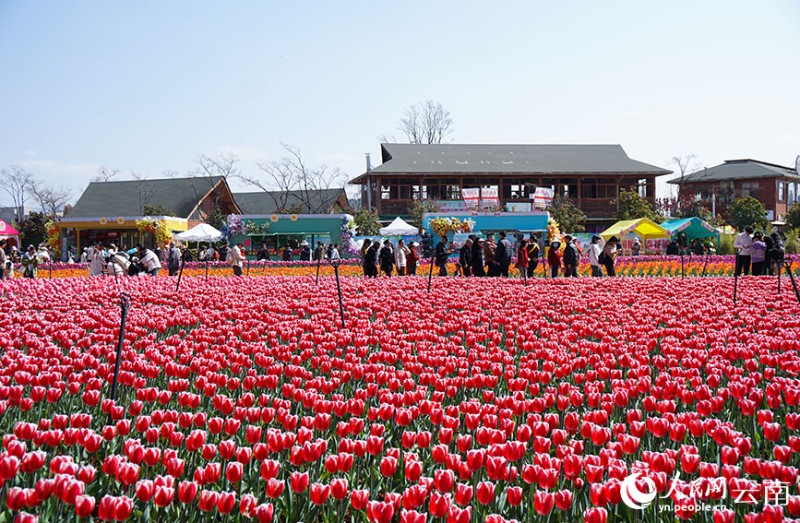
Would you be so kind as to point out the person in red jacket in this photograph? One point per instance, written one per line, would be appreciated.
(522, 256)
(554, 258)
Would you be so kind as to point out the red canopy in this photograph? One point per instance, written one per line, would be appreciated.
(7, 230)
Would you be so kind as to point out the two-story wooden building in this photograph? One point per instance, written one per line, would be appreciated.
(590, 175)
(775, 186)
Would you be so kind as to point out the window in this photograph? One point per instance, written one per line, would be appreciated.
(641, 186)
(780, 191)
(791, 193)
(396, 190)
(750, 189)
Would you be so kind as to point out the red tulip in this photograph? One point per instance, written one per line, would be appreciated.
(485, 492)
(84, 506)
(339, 489)
(359, 499)
(463, 494)
(187, 491)
(514, 496)
(595, 515)
(298, 481)
(379, 512)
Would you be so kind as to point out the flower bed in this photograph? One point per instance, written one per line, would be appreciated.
(626, 266)
(485, 400)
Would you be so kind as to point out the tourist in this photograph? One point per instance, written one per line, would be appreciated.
(554, 258)
(85, 255)
(30, 261)
(305, 251)
(223, 252)
(776, 254)
(698, 249)
(636, 248)
(758, 254)
(465, 257)
(319, 252)
(118, 264)
(608, 258)
(333, 252)
(236, 259)
(673, 249)
(489, 249)
(440, 255)
(387, 258)
(149, 261)
(570, 257)
(742, 246)
(413, 259)
(364, 262)
(263, 253)
(502, 255)
(287, 254)
(401, 257)
(522, 257)
(2, 258)
(595, 248)
(533, 255)
(173, 259)
(371, 259)
(96, 260)
(478, 260)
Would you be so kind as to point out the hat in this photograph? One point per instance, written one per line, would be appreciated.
(303, 243)
(613, 239)
(555, 244)
(567, 238)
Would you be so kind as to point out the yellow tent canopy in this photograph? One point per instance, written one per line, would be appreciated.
(643, 227)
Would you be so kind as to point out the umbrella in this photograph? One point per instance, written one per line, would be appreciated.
(200, 233)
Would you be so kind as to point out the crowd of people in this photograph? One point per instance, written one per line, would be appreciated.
(757, 252)
(481, 257)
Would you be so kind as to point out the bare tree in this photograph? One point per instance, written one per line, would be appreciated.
(684, 164)
(104, 174)
(18, 183)
(426, 123)
(223, 165)
(293, 184)
(144, 188)
(52, 199)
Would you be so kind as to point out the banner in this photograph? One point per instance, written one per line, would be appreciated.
(471, 198)
(489, 198)
(542, 197)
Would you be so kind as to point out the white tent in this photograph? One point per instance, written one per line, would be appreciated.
(399, 228)
(199, 233)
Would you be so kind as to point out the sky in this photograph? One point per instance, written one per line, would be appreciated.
(149, 86)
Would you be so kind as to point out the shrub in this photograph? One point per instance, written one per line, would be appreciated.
(726, 244)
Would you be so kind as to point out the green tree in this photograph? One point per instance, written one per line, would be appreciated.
(567, 214)
(792, 218)
(33, 229)
(156, 210)
(631, 206)
(216, 219)
(748, 212)
(420, 207)
(367, 222)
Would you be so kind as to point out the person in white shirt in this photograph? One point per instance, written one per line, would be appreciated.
(149, 261)
(742, 246)
(400, 257)
(236, 259)
(334, 254)
(595, 248)
(96, 261)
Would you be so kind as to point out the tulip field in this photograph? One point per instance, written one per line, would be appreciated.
(485, 400)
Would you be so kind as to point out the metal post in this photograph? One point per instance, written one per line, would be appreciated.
(335, 264)
(206, 269)
(682, 272)
(319, 262)
(124, 303)
(180, 273)
(708, 257)
(430, 274)
(248, 267)
(788, 266)
(735, 284)
(779, 279)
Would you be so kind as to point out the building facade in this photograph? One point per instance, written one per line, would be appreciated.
(777, 187)
(108, 212)
(505, 176)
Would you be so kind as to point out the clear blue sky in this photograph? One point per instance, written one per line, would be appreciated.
(149, 86)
